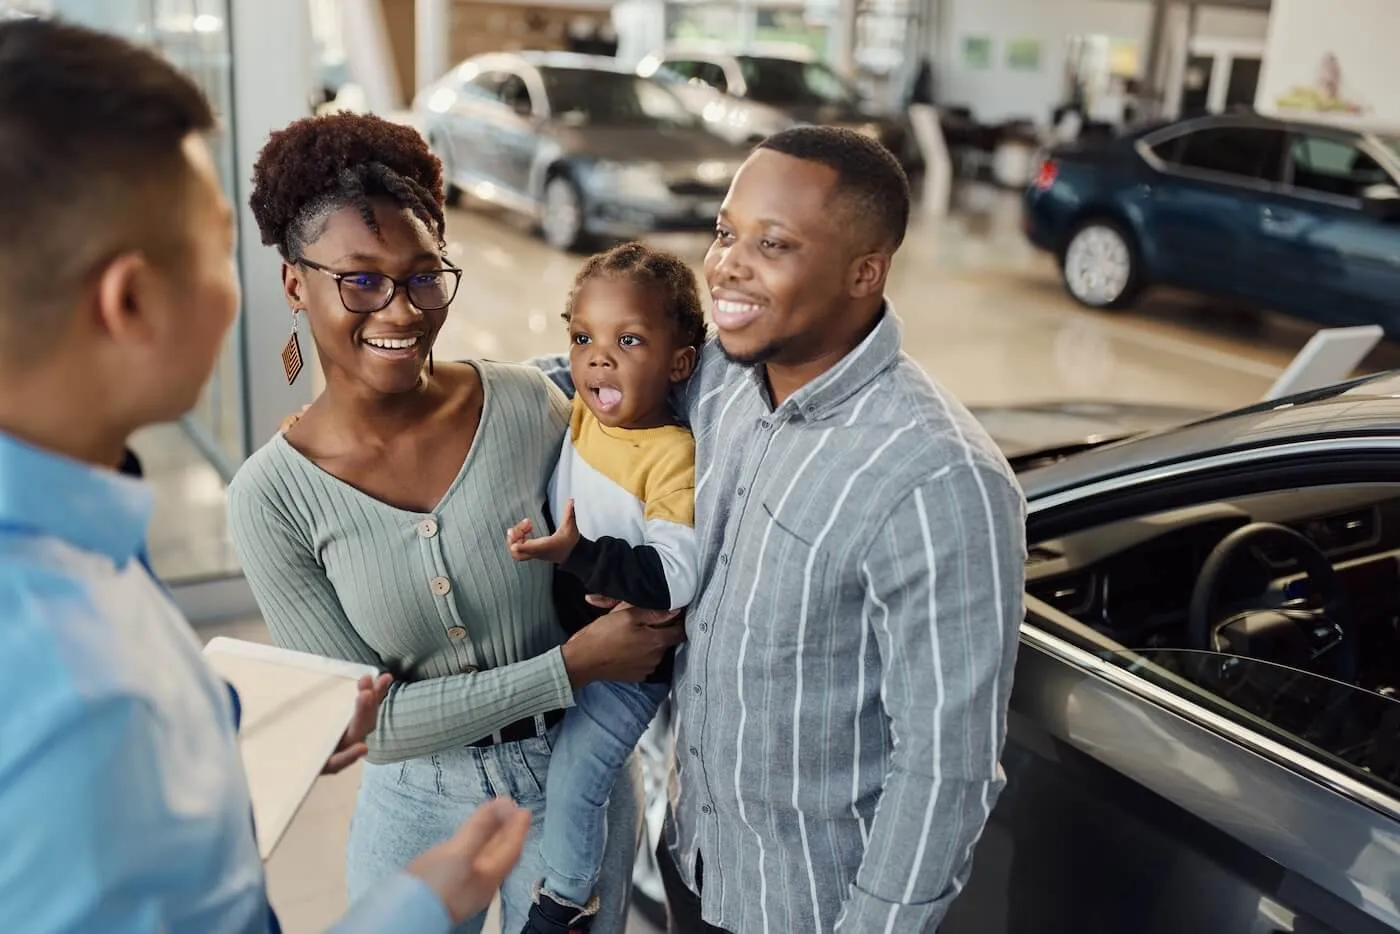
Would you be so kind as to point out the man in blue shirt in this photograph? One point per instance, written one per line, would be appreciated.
(123, 806)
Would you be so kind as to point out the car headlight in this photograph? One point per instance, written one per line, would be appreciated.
(637, 180)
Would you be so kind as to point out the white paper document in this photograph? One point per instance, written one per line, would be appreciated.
(295, 709)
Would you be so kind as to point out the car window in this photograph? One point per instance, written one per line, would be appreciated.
(684, 67)
(579, 96)
(515, 94)
(1353, 729)
(713, 75)
(1243, 152)
(789, 81)
(1333, 167)
(487, 85)
(1232, 622)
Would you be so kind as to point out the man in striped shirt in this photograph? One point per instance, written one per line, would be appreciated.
(841, 704)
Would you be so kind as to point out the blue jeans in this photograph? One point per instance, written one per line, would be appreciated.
(405, 808)
(595, 740)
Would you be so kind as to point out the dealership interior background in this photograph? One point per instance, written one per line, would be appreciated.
(985, 86)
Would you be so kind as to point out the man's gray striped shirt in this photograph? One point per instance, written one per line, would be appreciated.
(841, 702)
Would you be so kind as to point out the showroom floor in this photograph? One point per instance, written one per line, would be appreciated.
(984, 313)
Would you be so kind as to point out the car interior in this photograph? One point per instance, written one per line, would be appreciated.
(1285, 606)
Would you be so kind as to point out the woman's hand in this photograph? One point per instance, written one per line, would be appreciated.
(555, 548)
(352, 746)
(466, 871)
(625, 645)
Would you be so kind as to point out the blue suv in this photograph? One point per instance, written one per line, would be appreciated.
(1298, 217)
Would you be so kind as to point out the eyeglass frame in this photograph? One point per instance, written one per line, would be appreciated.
(400, 282)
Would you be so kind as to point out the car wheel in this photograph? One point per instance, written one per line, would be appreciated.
(1100, 265)
(561, 218)
(654, 750)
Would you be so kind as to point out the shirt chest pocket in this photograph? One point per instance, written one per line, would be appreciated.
(788, 570)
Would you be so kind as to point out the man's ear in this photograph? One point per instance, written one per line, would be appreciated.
(682, 364)
(293, 286)
(867, 275)
(129, 292)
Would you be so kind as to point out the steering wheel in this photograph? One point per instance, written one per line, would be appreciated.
(1308, 633)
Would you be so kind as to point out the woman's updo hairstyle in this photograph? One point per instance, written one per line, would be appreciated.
(319, 165)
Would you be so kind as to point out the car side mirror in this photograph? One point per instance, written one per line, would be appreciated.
(1381, 202)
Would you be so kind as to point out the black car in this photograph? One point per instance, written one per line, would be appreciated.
(1204, 734)
(587, 149)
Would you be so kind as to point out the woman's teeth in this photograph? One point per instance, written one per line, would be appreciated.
(392, 343)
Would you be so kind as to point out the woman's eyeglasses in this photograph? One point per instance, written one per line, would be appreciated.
(364, 293)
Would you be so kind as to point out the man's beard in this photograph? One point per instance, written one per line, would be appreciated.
(759, 357)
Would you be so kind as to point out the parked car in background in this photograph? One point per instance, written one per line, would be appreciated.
(587, 149)
(1204, 734)
(737, 119)
(794, 81)
(1299, 217)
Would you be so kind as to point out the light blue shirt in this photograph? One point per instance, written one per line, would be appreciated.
(123, 805)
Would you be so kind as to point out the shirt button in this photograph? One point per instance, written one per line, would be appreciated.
(699, 689)
(441, 586)
(427, 528)
(694, 751)
(739, 492)
(765, 424)
(724, 559)
(704, 627)
(706, 809)
(456, 632)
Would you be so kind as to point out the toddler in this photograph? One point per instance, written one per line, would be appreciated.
(623, 496)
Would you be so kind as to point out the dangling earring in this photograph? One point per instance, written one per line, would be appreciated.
(291, 351)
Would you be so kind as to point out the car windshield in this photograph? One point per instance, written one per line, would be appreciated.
(787, 81)
(579, 96)
(1355, 729)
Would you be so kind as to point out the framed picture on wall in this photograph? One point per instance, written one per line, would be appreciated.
(977, 52)
(1023, 54)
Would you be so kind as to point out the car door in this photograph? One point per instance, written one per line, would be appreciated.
(473, 152)
(518, 133)
(1332, 262)
(1171, 791)
(1200, 211)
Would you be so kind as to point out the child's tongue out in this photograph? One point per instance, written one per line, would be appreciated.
(608, 397)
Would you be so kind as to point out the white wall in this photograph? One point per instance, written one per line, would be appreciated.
(999, 93)
(1360, 34)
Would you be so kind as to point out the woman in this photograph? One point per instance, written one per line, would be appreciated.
(374, 529)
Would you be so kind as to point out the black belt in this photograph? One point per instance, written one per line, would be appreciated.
(528, 728)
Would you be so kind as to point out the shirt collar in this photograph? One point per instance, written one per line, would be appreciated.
(97, 510)
(880, 349)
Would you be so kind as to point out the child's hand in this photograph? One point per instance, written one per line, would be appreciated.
(555, 548)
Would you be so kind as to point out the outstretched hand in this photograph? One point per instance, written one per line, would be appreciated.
(352, 746)
(555, 547)
(467, 870)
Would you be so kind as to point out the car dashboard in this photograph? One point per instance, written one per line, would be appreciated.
(1132, 580)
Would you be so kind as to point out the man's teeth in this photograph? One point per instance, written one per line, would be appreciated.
(392, 343)
(736, 308)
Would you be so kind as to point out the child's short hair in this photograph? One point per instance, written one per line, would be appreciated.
(644, 265)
